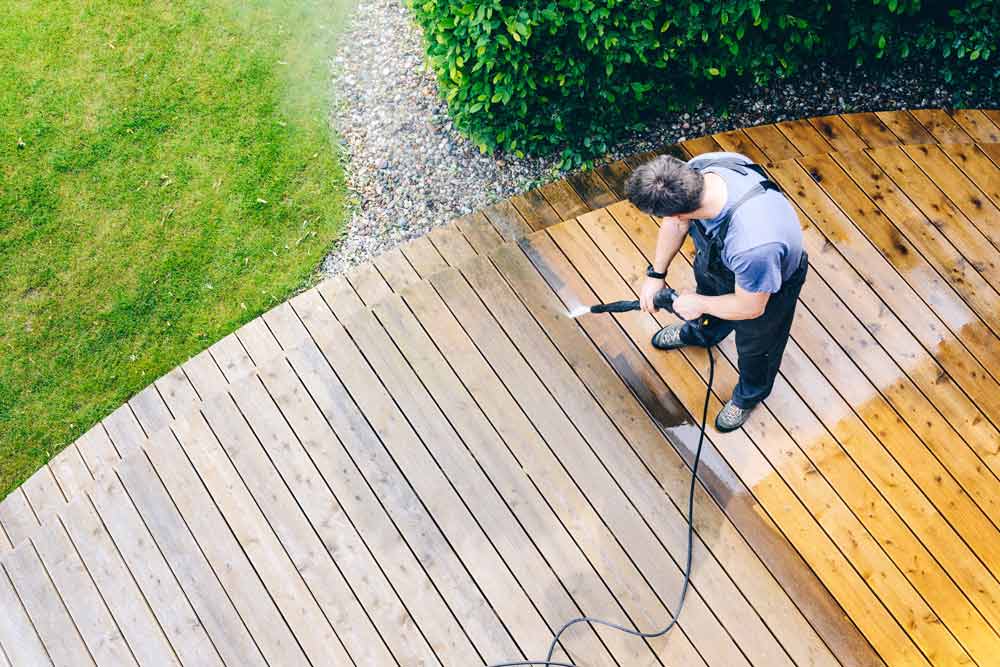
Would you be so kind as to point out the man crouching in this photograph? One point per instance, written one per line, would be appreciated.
(749, 264)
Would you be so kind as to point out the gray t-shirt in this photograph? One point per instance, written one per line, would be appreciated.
(763, 247)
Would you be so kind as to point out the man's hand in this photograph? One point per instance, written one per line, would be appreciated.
(650, 286)
(688, 306)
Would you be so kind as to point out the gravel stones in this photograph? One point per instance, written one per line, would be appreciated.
(408, 170)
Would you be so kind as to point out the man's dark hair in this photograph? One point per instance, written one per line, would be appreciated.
(665, 186)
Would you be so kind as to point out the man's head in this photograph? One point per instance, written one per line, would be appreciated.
(664, 187)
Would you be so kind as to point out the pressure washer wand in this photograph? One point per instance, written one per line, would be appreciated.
(664, 299)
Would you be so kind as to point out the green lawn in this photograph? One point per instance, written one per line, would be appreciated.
(166, 174)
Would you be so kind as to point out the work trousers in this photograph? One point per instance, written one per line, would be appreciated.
(760, 342)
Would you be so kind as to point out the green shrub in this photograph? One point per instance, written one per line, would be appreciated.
(540, 75)
(967, 44)
(527, 77)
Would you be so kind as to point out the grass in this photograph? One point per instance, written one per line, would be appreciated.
(166, 174)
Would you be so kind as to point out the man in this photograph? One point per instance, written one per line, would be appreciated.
(749, 266)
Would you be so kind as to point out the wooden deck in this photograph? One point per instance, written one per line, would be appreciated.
(427, 463)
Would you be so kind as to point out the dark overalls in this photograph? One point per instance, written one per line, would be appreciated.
(760, 342)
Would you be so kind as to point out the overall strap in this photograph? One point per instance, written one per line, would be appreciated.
(757, 190)
(731, 163)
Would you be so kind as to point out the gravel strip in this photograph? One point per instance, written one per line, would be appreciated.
(408, 169)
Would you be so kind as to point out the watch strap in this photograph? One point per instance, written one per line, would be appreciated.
(655, 274)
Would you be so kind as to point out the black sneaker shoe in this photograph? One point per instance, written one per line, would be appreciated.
(731, 417)
(669, 337)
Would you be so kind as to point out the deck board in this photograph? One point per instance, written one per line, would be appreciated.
(424, 462)
(139, 587)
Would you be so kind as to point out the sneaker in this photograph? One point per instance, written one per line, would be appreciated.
(669, 337)
(731, 417)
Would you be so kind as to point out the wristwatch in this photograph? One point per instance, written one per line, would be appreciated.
(655, 274)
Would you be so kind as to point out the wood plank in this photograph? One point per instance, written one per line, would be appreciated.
(838, 133)
(83, 601)
(43, 494)
(737, 141)
(957, 200)
(592, 189)
(614, 174)
(930, 476)
(45, 608)
(900, 344)
(285, 326)
(232, 358)
(376, 606)
(772, 142)
(931, 241)
(97, 450)
(902, 297)
(249, 521)
(978, 167)
(906, 127)
(70, 471)
(450, 244)
(806, 139)
(337, 292)
(223, 551)
(505, 219)
(433, 440)
(872, 460)
(177, 392)
(504, 471)
(479, 232)
(205, 375)
(695, 146)
(770, 489)
(765, 540)
(134, 579)
(977, 125)
(535, 210)
(941, 126)
(286, 552)
(583, 425)
(902, 212)
(816, 491)
(150, 411)
(661, 459)
(17, 517)
(199, 568)
(993, 115)
(18, 638)
(395, 269)
(412, 518)
(124, 431)
(993, 151)
(258, 342)
(870, 129)
(367, 282)
(564, 199)
(345, 463)
(423, 256)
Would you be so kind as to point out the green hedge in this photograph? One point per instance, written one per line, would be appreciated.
(535, 76)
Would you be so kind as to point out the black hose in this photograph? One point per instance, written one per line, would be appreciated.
(548, 662)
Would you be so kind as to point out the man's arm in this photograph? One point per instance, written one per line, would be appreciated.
(668, 242)
(740, 305)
